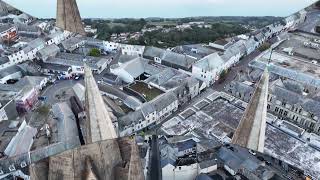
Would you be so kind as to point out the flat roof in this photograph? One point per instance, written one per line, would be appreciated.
(296, 41)
(220, 118)
(291, 67)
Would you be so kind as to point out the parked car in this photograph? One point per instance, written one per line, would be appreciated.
(42, 98)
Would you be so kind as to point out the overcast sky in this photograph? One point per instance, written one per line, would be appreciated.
(166, 8)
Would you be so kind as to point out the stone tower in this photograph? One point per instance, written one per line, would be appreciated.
(68, 16)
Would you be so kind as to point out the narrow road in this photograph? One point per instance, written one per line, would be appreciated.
(233, 72)
(155, 159)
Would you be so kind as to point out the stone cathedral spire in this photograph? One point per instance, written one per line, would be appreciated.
(68, 16)
(251, 130)
(99, 125)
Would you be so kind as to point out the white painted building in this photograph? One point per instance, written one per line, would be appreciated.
(221, 44)
(188, 172)
(251, 45)
(89, 29)
(132, 50)
(209, 68)
(152, 112)
(28, 53)
(57, 37)
(110, 46)
(43, 25)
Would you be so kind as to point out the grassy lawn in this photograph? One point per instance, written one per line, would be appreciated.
(144, 90)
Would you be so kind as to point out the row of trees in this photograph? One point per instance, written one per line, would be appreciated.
(105, 29)
(190, 36)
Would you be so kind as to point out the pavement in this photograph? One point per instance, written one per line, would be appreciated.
(51, 91)
(234, 71)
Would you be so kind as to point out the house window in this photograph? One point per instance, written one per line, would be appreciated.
(277, 109)
(281, 111)
(311, 125)
(312, 115)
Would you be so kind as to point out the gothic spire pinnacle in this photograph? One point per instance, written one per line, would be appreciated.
(251, 130)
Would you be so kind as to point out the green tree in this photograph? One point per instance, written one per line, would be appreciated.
(223, 74)
(94, 52)
(43, 110)
(264, 47)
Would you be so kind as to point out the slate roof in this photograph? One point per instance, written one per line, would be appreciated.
(259, 37)
(126, 58)
(184, 145)
(130, 119)
(139, 66)
(69, 43)
(239, 158)
(23, 141)
(222, 42)
(163, 76)
(169, 57)
(210, 62)
(34, 44)
(55, 34)
(229, 158)
(309, 105)
(10, 109)
(286, 95)
(178, 59)
(9, 70)
(241, 87)
(203, 177)
(55, 67)
(147, 109)
(157, 104)
(164, 101)
(250, 43)
(5, 27)
(288, 73)
(5, 139)
(4, 60)
(26, 28)
(195, 50)
(168, 155)
(151, 51)
(48, 51)
(208, 163)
